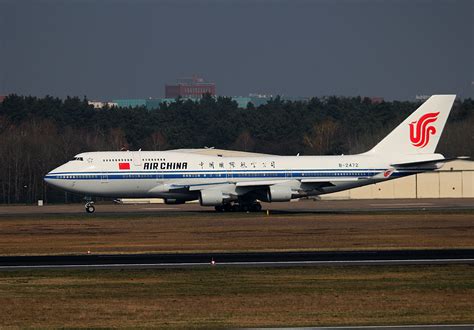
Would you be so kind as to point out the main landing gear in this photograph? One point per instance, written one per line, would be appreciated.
(238, 207)
(90, 207)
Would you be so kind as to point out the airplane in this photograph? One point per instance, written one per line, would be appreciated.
(236, 181)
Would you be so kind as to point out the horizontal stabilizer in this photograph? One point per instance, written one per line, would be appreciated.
(428, 162)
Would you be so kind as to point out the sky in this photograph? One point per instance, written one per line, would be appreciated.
(112, 49)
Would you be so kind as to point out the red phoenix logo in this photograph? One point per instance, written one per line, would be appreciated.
(387, 173)
(421, 130)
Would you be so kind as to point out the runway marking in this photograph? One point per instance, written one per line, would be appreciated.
(159, 208)
(250, 263)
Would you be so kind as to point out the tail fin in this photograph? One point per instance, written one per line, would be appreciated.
(420, 132)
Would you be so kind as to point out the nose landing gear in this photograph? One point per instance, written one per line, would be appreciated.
(90, 207)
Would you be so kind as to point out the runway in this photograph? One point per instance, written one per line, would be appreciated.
(296, 207)
(251, 259)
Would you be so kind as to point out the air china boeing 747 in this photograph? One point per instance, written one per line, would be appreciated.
(229, 182)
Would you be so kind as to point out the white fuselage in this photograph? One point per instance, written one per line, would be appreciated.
(171, 174)
(220, 177)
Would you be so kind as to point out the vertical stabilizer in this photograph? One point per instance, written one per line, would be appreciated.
(420, 132)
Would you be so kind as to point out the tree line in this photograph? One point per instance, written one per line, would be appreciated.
(38, 134)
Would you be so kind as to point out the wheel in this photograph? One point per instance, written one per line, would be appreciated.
(219, 208)
(90, 208)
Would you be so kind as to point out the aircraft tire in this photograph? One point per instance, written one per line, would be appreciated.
(90, 208)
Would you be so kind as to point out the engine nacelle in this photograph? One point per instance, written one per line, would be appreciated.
(279, 193)
(211, 197)
(174, 201)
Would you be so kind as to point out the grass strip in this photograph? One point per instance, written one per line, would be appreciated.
(218, 297)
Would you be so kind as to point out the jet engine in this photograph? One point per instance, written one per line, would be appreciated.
(211, 197)
(279, 193)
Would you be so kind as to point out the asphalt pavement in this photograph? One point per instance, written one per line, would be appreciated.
(303, 206)
(244, 259)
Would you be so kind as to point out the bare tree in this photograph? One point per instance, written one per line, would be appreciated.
(322, 137)
(244, 141)
(158, 141)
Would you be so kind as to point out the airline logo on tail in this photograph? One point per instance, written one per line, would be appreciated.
(421, 129)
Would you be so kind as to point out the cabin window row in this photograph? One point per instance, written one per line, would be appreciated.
(116, 160)
(128, 160)
(78, 177)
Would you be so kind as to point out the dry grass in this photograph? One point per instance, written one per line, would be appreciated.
(231, 297)
(132, 233)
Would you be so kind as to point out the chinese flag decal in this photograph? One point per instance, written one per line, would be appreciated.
(124, 166)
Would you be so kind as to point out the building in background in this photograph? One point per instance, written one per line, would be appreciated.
(100, 104)
(242, 101)
(132, 103)
(193, 87)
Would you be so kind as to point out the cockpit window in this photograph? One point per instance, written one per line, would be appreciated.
(79, 159)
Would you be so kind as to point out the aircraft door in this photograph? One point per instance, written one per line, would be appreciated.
(137, 158)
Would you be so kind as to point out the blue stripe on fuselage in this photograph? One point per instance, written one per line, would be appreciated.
(299, 174)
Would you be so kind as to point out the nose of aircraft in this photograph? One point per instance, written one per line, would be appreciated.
(53, 177)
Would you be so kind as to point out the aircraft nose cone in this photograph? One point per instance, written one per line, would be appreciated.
(49, 178)
(54, 179)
